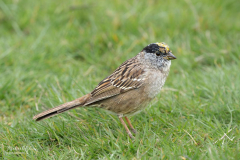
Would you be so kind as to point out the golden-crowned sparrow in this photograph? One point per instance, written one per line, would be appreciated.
(129, 88)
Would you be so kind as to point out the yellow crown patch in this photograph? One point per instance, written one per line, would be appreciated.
(162, 44)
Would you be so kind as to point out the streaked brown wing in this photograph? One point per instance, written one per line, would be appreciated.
(128, 76)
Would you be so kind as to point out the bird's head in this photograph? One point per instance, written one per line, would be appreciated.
(159, 50)
(158, 55)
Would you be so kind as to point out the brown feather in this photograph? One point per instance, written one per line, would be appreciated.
(126, 77)
(62, 108)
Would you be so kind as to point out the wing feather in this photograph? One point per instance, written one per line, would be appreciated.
(130, 75)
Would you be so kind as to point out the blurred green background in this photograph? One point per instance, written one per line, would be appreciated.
(52, 52)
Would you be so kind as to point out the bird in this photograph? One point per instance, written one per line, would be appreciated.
(129, 89)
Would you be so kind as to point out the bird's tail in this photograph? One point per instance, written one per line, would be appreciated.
(62, 108)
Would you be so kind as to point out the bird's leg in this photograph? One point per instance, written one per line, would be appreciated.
(129, 123)
(125, 126)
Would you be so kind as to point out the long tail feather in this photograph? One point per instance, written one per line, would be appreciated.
(62, 108)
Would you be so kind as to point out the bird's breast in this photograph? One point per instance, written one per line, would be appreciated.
(155, 82)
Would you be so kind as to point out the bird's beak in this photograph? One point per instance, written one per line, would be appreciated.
(170, 56)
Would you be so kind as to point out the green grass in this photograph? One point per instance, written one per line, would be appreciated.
(52, 52)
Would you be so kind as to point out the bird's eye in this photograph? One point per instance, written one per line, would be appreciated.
(158, 53)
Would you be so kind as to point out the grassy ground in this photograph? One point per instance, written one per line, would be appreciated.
(54, 51)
